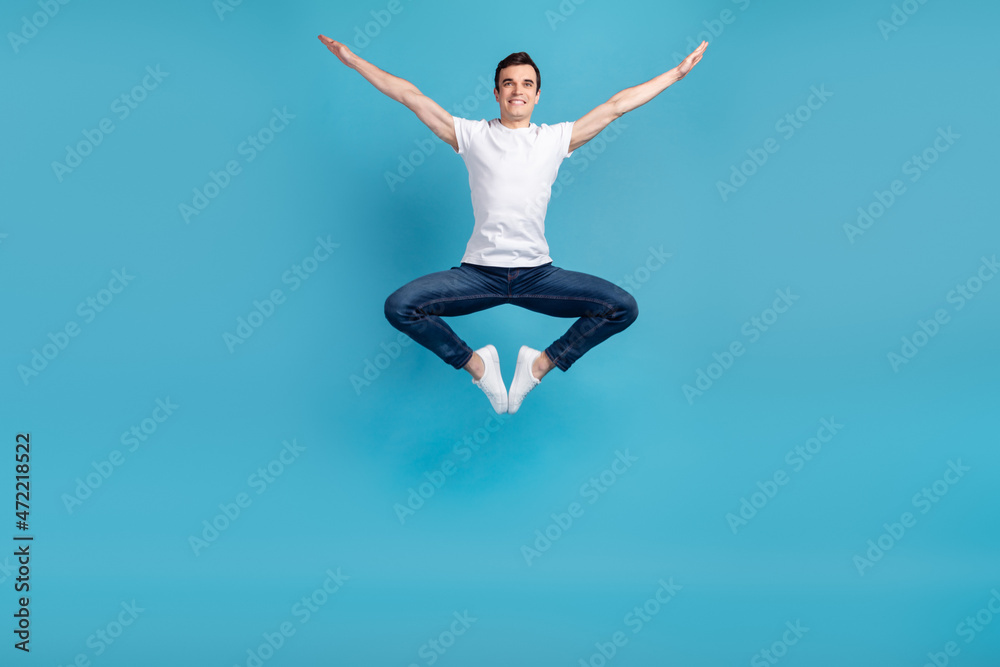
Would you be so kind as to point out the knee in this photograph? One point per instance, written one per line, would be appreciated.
(628, 309)
(395, 308)
(403, 308)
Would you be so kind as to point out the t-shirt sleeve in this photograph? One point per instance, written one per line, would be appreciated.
(566, 137)
(463, 133)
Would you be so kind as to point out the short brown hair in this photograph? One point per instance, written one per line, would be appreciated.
(519, 58)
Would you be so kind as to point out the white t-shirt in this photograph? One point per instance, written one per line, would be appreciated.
(511, 172)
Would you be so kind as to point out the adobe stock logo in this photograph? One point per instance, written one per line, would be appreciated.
(461, 453)
(382, 360)
(796, 458)
(87, 310)
(779, 649)
(968, 629)
(260, 481)
(637, 619)
(295, 275)
(924, 500)
(898, 18)
(123, 106)
(303, 610)
(714, 27)
(565, 10)
(436, 647)
(106, 467)
(927, 329)
(752, 329)
(632, 282)
(223, 7)
(593, 489)
(915, 168)
(30, 28)
(104, 637)
(372, 29)
(787, 125)
(409, 163)
(250, 148)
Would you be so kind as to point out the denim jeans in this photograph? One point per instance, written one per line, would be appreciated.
(602, 307)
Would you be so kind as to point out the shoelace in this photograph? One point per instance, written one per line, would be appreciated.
(490, 394)
(487, 389)
(533, 383)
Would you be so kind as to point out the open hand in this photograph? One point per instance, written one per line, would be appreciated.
(339, 50)
(690, 61)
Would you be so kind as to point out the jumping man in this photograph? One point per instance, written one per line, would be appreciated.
(512, 165)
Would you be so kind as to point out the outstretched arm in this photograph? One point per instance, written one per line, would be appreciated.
(428, 111)
(621, 103)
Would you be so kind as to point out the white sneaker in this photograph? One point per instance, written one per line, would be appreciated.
(492, 382)
(523, 381)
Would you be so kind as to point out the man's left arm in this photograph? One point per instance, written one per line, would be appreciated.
(621, 103)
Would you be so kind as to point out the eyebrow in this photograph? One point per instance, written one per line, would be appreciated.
(510, 79)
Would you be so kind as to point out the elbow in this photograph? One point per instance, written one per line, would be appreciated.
(408, 96)
(617, 108)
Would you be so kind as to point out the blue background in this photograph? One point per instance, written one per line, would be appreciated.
(652, 181)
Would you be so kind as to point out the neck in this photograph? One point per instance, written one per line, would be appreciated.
(515, 124)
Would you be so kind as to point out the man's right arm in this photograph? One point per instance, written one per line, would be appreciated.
(427, 110)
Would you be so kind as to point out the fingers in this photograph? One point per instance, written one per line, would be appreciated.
(695, 55)
(333, 45)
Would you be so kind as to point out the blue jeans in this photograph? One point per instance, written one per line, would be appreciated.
(602, 307)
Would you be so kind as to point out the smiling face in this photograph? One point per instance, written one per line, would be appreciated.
(518, 94)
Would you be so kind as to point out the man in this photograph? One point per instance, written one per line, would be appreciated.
(512, 164)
